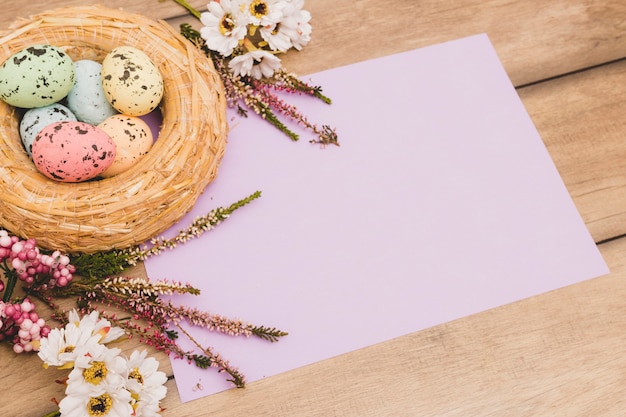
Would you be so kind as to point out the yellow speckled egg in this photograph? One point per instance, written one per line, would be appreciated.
(133, 139)
(131, 81)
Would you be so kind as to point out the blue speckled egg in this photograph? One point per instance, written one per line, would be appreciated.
(36, 76)
(34, 120)
(86, 99)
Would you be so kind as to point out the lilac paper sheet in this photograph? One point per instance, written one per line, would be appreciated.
(441, 202)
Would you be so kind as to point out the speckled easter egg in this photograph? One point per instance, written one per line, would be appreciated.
(72, 151)
(36, 76)
(34, 120)
(131, 82)
(86, 99)
(132, 138)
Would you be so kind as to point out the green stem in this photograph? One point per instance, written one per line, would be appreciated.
(265, 111)
(11, 277)
(189, 8)
(56, 413)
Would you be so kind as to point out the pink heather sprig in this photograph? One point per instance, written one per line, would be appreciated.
(197, 228)
(146, 288)
(156, 321)
(288, 81)
(325, 135)
(114, 262)
(22, 326)
(151, 323)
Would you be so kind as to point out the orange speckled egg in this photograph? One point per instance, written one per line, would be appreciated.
(133, 139)
(70, 151)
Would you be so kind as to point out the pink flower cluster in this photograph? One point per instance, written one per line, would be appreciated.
(22, 326)
(21, 260)
(25, 259)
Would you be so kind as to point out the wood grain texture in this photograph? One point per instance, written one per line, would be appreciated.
(535, 39)
(557, 354)
(582, 120)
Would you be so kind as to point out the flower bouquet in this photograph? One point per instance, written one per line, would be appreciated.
(244, 39)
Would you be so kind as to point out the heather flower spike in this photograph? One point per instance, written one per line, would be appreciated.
(155, 322)
(114, 262)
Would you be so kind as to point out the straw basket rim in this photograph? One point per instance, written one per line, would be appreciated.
(139, 204)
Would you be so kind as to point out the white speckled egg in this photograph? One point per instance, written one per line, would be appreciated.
(72, 151)
(133, 139)
(86, 99)
(131, 82)
(36, 76)
(34, 120)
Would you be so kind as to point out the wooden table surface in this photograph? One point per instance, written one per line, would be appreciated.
(562, 353)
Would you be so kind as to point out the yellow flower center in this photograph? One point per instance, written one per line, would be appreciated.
(226, 24)
(258, 8)
(136, 375)
(68, 349)
(99, 406)
(96, 373)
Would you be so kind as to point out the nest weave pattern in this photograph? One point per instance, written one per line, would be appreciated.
(163, 186)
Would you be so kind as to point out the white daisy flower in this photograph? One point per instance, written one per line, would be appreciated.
(61, 346)
(99, 326)
(277, 38)
(146, 384)
(224, 25)
(295, 24)
(257, 64)
(100, 401)
(265, 12)
(96, 385)
(99, 365)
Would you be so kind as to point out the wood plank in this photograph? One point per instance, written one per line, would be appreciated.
(560, 351)
(581, 118)
(535, 39)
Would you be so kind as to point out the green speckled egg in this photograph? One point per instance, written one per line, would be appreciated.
(36, 76)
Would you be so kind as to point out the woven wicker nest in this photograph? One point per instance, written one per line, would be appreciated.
(138, 204)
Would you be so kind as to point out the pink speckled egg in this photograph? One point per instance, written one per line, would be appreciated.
(70, 151)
